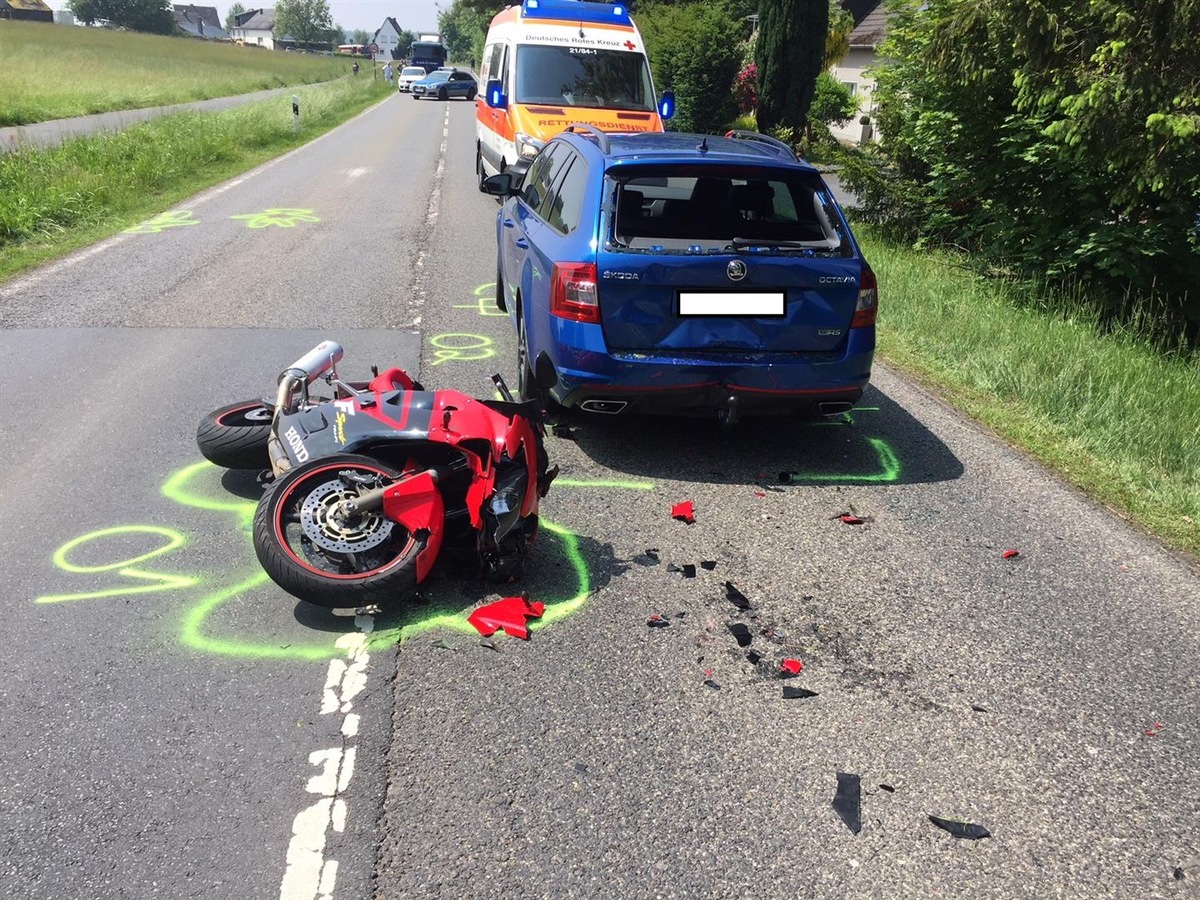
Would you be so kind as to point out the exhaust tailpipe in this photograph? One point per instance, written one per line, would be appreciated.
(605, 407)
(835, 408)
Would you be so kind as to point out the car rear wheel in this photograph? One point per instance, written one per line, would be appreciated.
(471, 94)
(443, 94)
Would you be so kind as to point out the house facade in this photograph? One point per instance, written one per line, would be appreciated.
(387, 38)
(870, 27)
(255, 26)
(26, 11)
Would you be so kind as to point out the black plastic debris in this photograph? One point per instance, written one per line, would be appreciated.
(741, 633)
(977, 708)
(681, 614)
(792, 692)
(709, 683)
(689, 570)
(847, 802)
(657, 621)
(967, 830)
(736, 597)
(489, 644)
(652, 552)
(753, 656)
(581, 768)
(708, 564)
(1179, 874)
(888, 788)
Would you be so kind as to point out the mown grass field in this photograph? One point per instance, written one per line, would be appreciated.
(1113, 415)
(54, 72)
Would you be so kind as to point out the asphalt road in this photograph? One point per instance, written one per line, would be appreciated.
(193, 739)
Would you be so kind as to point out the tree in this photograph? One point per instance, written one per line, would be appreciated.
(361, 36)
(152, 16)
(790, 54)
(1083, 164)
(305, 21)
(231, 17)
(693, 50)
(463, 30)
(403, 44)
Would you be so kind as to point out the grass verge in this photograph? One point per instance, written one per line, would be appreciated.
(1106, 410)
(51, 72)
(54, 201)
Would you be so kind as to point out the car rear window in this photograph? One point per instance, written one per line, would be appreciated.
(711, 207)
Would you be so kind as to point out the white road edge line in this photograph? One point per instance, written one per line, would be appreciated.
(310, 874)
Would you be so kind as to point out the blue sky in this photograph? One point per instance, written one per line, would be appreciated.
(415, 15)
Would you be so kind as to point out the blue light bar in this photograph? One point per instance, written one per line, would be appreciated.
(577, 11)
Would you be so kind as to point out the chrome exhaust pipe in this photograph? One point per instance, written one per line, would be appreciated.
(604, 407)
(835, 408)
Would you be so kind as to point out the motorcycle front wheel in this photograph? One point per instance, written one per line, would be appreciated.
(315, 553)
(235, 436)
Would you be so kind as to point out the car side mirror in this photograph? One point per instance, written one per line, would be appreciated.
(544, 374)
(666, 105)
(496, 98)
(501, 185)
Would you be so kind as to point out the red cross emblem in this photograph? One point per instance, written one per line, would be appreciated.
(630, 45)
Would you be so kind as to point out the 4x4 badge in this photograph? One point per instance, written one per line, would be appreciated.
(736, 270)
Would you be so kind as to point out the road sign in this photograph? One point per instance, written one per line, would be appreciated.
(374, 48)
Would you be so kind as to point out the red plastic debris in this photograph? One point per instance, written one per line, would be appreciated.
(793, 666)
(684, 512)
(848, 519)
(760, 493)
(1153, 732)
(1010, 553)
(509, 614)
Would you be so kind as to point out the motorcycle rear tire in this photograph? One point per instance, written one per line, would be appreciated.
(235, 436)
(304, 569)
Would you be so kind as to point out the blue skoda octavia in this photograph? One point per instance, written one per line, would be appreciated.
(682, 274)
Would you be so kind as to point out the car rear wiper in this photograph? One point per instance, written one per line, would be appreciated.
(738, 243)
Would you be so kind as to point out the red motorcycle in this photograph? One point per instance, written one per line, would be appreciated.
(368, 486)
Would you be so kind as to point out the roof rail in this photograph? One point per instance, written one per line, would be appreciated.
(760, 138)
(601, 137)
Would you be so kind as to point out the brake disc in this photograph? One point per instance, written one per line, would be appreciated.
(336, 533)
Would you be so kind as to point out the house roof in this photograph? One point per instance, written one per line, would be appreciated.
(28, 5)
(259, 19)
(870, 22)
(388, 21)
(200, 27)
(206, 14)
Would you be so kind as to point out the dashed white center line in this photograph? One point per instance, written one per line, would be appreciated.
(310, 874)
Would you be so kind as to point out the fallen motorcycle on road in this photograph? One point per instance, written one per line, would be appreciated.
(368, 486)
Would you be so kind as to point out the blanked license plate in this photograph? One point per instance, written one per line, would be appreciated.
(744, 304)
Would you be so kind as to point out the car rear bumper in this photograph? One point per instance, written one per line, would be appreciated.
(697, 383)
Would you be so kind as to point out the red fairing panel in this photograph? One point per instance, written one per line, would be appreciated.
(416, 504)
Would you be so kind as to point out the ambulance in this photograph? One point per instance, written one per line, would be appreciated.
(548, 64)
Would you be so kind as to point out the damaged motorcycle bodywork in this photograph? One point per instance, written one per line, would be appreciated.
(369, 487)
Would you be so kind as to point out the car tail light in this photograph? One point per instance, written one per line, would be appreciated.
(868, 300)
(573, 292)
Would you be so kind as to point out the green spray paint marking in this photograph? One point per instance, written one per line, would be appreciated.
(193, 633)
(459, 346)
(162, 222)
(125, 567)
(277, 218)
(889, 468)
(485, 302)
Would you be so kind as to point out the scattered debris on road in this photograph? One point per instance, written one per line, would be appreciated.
(1154, 730)
(795, 692)
(967, 830)
(736, 597)
(741, 633)
(1010, 553)
(657, 621)
(790, 668)
(847, 802)
(509, 614)
(684, 511)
